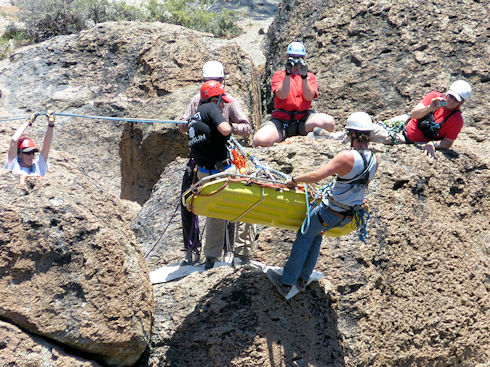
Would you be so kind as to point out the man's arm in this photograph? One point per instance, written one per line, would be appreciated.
(283, 91)
(239, 122)
(15, 139)
(420, 110)
(48, 137)
(341, 164)
(308, 92)
(431, 147)
(224, 128)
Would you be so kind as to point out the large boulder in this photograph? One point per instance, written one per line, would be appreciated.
(70, 267)
(18, 348)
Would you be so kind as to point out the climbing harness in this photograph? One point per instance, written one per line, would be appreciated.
(395, 126)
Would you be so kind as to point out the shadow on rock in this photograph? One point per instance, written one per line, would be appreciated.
(240, 319)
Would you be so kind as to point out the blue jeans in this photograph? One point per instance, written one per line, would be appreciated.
(306, 247)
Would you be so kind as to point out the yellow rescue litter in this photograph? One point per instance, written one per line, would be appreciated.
(252, 200)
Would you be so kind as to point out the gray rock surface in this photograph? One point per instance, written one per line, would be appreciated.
(19, 348)
(70, 268)
(416, 294)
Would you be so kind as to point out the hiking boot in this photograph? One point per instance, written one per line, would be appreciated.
(318, 131)
(209, 263)
(276, 278)
(191, 258)
(301, 284)
(241, 260)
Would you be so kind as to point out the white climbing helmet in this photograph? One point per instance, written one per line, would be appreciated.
(213, 69)
(359, 121)
(296, 48)
(460, 90)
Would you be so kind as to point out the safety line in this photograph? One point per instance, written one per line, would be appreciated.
(123, 119)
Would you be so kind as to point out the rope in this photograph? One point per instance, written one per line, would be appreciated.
(255, 161)
(362, 216)
(123, 119)
(394, 126)
(6, 118)
(165, 230)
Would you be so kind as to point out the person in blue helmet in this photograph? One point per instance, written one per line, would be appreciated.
(294, 89)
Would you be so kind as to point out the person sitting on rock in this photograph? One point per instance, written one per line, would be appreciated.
(436, 118)
(243, 233)
(20, 159)
(208, 133)
(294, 89)
(354, 169)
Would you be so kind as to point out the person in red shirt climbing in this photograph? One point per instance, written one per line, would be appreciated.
(436, 120)
(294, 89)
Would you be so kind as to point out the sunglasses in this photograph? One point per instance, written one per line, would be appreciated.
(29, 153)
(453, 98)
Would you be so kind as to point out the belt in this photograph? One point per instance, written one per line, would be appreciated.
(334, 212)
(338, 214)
(217, 168)
(294, 116)
(220, 166)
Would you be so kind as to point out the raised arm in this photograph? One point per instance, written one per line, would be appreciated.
(48, 137)
(14, 140)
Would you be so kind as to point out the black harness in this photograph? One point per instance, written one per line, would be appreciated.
(363, 177)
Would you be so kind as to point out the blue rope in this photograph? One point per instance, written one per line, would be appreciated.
(15, 118)
(123, 119)
(362, 217)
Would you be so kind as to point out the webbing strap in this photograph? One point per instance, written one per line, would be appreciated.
(362, 177)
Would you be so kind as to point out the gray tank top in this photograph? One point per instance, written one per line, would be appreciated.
(352, 194)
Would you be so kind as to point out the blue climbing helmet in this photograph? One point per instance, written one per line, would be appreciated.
(296, 48)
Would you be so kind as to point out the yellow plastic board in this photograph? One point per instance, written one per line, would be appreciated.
(253, 203)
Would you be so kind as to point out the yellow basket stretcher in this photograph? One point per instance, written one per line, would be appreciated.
(241, 198)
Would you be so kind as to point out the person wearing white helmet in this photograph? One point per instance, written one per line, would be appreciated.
(436, 120)
(294, 89)
(354, 169)
(242, 234)
(232, 112)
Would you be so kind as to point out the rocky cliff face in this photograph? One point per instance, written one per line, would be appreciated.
(122, 69)
(76, 284)
(70, 268)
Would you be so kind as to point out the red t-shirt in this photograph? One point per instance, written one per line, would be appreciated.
(450, 129)
(295, 100)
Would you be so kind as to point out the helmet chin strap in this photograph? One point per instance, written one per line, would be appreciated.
(219, 99)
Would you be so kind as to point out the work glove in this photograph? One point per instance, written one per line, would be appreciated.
(302, 68)
(289, 65)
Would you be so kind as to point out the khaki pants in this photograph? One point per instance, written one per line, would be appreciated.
(216, 231)
(381, 134)
(245, 234)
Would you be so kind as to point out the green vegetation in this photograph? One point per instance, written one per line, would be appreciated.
(47, 18)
